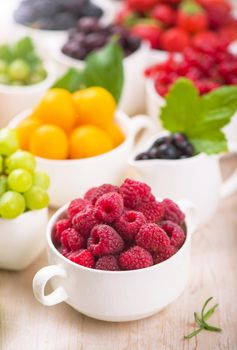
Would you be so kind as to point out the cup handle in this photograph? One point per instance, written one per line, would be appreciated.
(40, 280)
(140, 122)
(190, 210)
(230, 185)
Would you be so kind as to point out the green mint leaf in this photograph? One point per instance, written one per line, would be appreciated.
(72, 80)
(23, 47)
(200, 118)
(105, 68)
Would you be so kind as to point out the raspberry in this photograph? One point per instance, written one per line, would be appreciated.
(172, 212)
(60, 226)
(134, 192)
(175, 232)
(64, 251)
(129, 224)
(165, 254)
(76, 206)
(104, 240)
(109, 207)
(83, 257)
(84, 221)
(153, 211)
(96, 192)
(152, 238)
(135, 258)
(108, 263)
(72, 240)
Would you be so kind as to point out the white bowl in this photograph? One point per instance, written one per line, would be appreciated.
(22, 239)
(71, 178)
(48, 36)
(114, 295)
(14, 99)
(133, 95)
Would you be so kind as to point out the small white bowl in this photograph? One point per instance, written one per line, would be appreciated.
(22, 239)
(71, 178)
(14, 99)
(116, 296)
(49, 36)
(133, 95)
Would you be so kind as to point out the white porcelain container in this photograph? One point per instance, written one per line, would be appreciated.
(14, 99)
(133, 95)
(197, 178)
(22, 239)
(71, 178)
(114, 295)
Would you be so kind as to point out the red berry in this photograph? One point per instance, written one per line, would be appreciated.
(76, 206)
(83, 257)
(152, 238)
(164, 13)
(164, 254)
(60, 226)
(175, 232)
(93, 194)
(192, 18)
(148, 32)
(141, 5)
(109, 207)
(135, 258)
(72, 239)
(104, 240)
(134, 192)
(219, 12)
(174, 40)
(84, 221)
(153, 211)
(129, 224)
(172, 212)
(108, 263)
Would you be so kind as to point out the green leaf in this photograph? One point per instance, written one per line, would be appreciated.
(200, 118)
(105, 68)
(72, 80)
(209, 313)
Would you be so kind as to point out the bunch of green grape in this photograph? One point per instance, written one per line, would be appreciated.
(22, 188)
(20, 64)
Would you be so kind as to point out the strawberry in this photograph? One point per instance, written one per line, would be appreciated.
(205, 40)
(219, 12)
(192, 17)
(142, 5)
(164, 13)
(126, 16)
(148, 32)
(229, 32)
(174, 40)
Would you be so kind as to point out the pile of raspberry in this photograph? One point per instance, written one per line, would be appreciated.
(208, 63)
(120, 228)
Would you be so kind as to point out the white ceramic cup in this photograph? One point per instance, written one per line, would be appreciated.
(14, 99)
(154, 103)
(22, 239)
(119, 295)
(71, 178)
(133, 95)
(197, 178)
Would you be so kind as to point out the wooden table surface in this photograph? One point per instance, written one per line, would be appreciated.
(27, 325)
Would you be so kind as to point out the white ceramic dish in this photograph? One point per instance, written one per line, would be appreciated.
(197, 178)
(114, 296)
(22, 239)
(133, 96)
(14, 99)
(71, 178)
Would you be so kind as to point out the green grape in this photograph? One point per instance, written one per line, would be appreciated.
(19, 70)
(41, 179)
(3, 66)
(12, 204)
(36, 198)
(1, 164)
(20, 180)
(8, 141)
(3, 184)
(21, 160)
